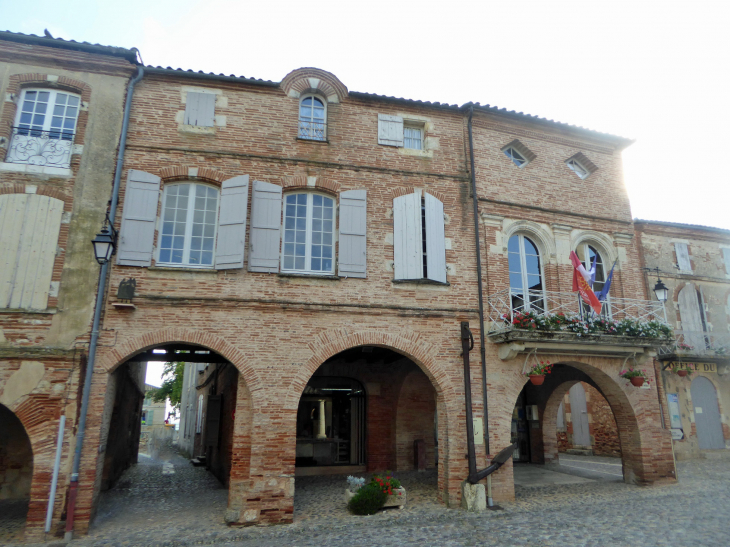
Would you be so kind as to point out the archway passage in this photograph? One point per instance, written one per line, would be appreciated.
(16, 472)
(365, 410)
(189, 463)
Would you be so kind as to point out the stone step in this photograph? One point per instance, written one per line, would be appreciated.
(197, 462)
(580, 451)
(720, 454)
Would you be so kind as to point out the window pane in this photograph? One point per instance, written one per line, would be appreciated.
(199, 233)
(515, 281)
(530, 247)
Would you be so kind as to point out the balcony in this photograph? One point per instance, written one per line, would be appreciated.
(696, 346)
(559, 322)
(40, 148)
(313, 131)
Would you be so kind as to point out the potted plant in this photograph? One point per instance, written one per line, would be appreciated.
(682, 347)
(538, 372)
(636, 377)
(682, 370)
(367, 499)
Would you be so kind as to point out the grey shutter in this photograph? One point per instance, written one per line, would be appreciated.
(232, 223)
(683, 257)
(199, 109)
(691, 316)
(407, 237)
(390, 130)
(353, 234)
(137, 234)
(726, 254)
(435, 240)
(263, 255)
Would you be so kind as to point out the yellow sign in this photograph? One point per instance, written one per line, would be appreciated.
(695, 367)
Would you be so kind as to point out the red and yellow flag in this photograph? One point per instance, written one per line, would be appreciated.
(581, 285)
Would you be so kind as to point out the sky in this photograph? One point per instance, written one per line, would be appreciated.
(657, 72)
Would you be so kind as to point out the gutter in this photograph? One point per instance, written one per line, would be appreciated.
(73, 490)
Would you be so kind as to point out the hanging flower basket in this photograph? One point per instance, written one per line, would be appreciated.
(538, 372)
(682, 373)
(537, 379)
(636, 377)
(682, 370)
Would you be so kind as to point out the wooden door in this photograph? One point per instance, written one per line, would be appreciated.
(707, 414)
(579, 416)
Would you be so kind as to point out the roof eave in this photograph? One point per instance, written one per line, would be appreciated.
(128, 54)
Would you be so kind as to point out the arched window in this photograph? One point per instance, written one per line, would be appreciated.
(309, 224)
(525, 275)
(189, 219)
(588, 254)
(312, 119)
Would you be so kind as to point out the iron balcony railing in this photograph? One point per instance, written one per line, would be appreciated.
(698, 344)
(43, 148)
(505, 305)
(313, 131)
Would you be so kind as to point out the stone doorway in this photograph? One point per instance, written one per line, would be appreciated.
(16, 473)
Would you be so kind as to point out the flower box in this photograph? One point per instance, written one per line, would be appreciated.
(398, 499)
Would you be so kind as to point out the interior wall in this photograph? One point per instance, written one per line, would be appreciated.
(220, 454)
(415, 420)
(16, 457)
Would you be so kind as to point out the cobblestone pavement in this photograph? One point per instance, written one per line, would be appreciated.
(12, 520)
(187, 507)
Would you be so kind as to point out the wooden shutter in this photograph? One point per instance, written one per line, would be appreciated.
(683, 257)
(390, 130)
(29, 225)
(199, 109)
(232, 223)
(435, 240)
(139, 216)
(726, 254)
(691, 316)
(353, 234)
(263, 255)
(213, 420)
(407, 237)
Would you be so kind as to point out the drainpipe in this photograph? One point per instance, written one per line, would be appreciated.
(482, 345)
(97, 315)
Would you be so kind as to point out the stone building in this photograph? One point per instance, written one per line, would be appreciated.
(60, 120)
(316, 247)
(694, 264)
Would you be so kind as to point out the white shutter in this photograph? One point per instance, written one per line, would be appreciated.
(435, 240)
(199, 109)
(232, 223)
(30, 225)
(407, 238)
(390, 130)
(137, 234)
(726, 253)
(263, 255)
(691, 316)
(683, 257)
(353, 234)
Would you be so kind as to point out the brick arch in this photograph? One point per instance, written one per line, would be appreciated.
(123, 352)
(322, 184)
(645, 448)
(309, 79)
(408, 344)
(173, 173)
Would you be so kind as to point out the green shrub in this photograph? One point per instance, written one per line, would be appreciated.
(368, 500)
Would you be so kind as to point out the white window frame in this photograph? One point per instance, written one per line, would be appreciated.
(48, 116)
(188, 227)
(523, 270)
(411, 126)
(312, 119)
(511, 152)
(308, 241)
(578, 168)
(606, 309)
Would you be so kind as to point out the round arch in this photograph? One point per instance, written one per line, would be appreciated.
(131, 347)
(542, 238)
(602, 242)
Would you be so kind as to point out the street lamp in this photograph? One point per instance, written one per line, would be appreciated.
(661, 291)
(105, 243)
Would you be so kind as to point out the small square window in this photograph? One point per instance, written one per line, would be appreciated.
(577, 168)
(515, 156)
(413, 137)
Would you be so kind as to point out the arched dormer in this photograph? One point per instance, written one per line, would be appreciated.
(314, 81)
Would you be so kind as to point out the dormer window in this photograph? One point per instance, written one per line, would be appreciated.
(312, 119)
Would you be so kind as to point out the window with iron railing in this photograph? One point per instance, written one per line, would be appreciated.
(44, 128)
(312, 119)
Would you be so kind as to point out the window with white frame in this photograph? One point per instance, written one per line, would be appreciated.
(518, 159)
(590, 256)
(312, 118)
(413, 137)
(188, 224)
(578, 168)
(309, 224)
(525, 274)
(44, 128)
